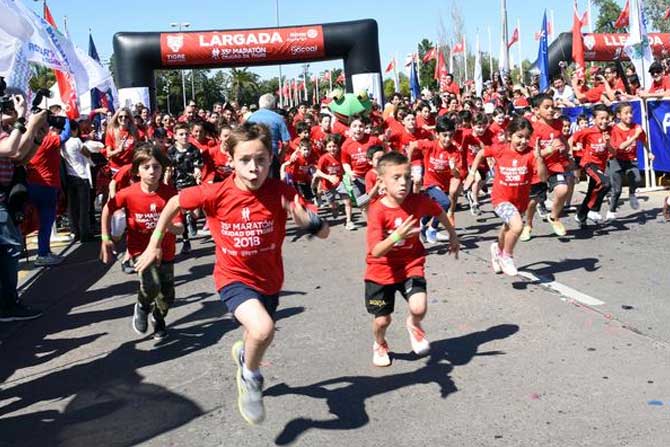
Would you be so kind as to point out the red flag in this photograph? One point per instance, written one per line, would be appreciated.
(390, 66)
(585, 18)
(666, 16)
(550, 30)
(285, 90)
(459, 48)
(430, 55)
(577, 43)
(622, 21)
(441, 71)
(514, 39)
(65, 82)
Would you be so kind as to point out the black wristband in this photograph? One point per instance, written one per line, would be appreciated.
(20, 127)
(37, 142)
(315, 223)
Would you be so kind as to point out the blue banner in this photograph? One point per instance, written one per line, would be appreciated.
(659, 124)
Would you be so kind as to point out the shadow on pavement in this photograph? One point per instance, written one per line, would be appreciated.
(111, 403)
(346, 399)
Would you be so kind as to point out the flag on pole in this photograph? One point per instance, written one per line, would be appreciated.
(666, 16)
(479, 79)
(414, 88)
(390, 66)
(543, 56)
(637, 46)
(99, 97)
(504, 51)
(459, 48)
(429, 56)
(66, 88)
(514, 39)
(624, 17)
(578, 42)
(441, 70)
(550, 31)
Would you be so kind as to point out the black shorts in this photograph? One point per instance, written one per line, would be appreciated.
(305, 190)
(557, 179)
(380, 298)
(538, 191)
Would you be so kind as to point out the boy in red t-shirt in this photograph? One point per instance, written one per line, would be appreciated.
(247, 214)
(624, 137)
(301, 166)
(354, 158)
(516, 166)
(330, 170)
(143, 202)
(473, 142)
(395, 256)
(372, 187)
(597, 150)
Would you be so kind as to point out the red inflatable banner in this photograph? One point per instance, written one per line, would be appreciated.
(242, 47)
(610, 47)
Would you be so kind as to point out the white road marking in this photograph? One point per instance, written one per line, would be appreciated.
(564, 290)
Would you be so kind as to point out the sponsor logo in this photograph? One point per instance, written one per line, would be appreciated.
(312, 33)
(152, 207)
(246, 214)
(303, 50)
(589, 42)
(175, 42)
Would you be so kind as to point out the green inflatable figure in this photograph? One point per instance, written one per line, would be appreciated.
(345, 105)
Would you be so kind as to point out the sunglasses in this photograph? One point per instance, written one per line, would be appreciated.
(123, 117)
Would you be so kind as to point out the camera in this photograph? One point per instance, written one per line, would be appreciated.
(52, 120)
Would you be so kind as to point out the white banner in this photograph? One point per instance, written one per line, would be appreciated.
(372, 82)
(130, 96)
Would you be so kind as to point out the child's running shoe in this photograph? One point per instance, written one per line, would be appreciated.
(542, 210)
(475, 210)
(140, 319)
(417, 337)
(350, 225)
(158, 323)
(557, 226)
(594, 217)
(610, 216)
(469, 198)
(507, 265)
(249, 392)
(380, 354)
(431, 235)
(634, 202)
(526, 233)
(581, 222)
(495, 258)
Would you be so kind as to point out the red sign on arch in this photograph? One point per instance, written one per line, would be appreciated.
(242, 47)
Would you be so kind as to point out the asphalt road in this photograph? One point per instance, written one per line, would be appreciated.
(513, 361)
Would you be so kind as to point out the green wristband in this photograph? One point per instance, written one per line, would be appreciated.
(105, 237)
(395, 237)
(157, 234)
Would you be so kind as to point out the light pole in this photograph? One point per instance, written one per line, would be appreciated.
(281, 94)
(181, 25)
(305, 68)
(166, 89)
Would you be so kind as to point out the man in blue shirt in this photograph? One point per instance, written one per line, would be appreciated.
(275, 122)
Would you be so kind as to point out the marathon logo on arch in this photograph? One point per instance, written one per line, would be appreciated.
(242, 47)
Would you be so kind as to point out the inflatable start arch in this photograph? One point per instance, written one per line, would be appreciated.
(137, 55)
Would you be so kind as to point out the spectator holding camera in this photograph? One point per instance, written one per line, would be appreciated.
(19, 139)
(44, 183)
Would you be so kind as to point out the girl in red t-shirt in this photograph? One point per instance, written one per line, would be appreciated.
(120, 139)
(516, 164)
(247, 214)
(143, 203)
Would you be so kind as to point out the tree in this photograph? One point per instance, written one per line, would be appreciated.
(243, 85)
(389, 86)
(655, 10)
(43, 77)
(427, 70)
(608, 12)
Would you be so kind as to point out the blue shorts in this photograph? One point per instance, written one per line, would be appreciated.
(237, 293)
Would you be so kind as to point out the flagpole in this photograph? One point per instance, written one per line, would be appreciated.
(551, 14)
(396, 79)
(504, 38)
(281, 95)
(518, 27)
(490, 55)
(465, 58)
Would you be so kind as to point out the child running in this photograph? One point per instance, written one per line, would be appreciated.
(624, 138)
(143, 203)
(396, 257)
(247, 215)
(516, 166)
(329, 169)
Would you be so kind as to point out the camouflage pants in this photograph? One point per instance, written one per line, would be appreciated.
(157, 286)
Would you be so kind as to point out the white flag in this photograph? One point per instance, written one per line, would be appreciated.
(479, 81)
(637, 46)
(42, 43)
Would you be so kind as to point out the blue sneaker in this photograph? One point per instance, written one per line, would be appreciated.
(431, 235)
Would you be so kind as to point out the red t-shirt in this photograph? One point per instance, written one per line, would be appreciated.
(221, 159)
(407, 257)
(421, 122)
(354, 153)
(123, 177)
(664, 85)
(44, 168)
(318, 137)
(594, 146)
(499, 131)
(301, 169)
(557, 161)
(332, 166)
(438, 163)
(401, 140)
(452, 88)
(128, 142)
(370, 180)
(472, 144)
(619, 135)
(142, 213)
(513, 175)
(340, 128)
(208, 169)
(248, 228)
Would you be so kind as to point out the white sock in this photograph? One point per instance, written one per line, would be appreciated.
(249, 374)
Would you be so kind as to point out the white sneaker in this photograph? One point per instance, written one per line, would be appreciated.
(507, 265)
(594, 217)
(61, 238)
(417, 338)
(610, 216)
(350, 225)
(495, 258)
(48, 260)
(380, 354)
(634, 202)
(442, 237)
(431, 235)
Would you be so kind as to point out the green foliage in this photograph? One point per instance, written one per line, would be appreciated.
(608, 12)
(42, 78)
(389, 86)
(655, 10)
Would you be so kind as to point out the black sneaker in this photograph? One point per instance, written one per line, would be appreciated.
(191, 226)
(128, 267)
(158, 322)
(19, 312)
(542, 210)
(186, 248)
(140, 324)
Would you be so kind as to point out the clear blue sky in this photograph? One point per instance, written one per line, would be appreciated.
(402, 23)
